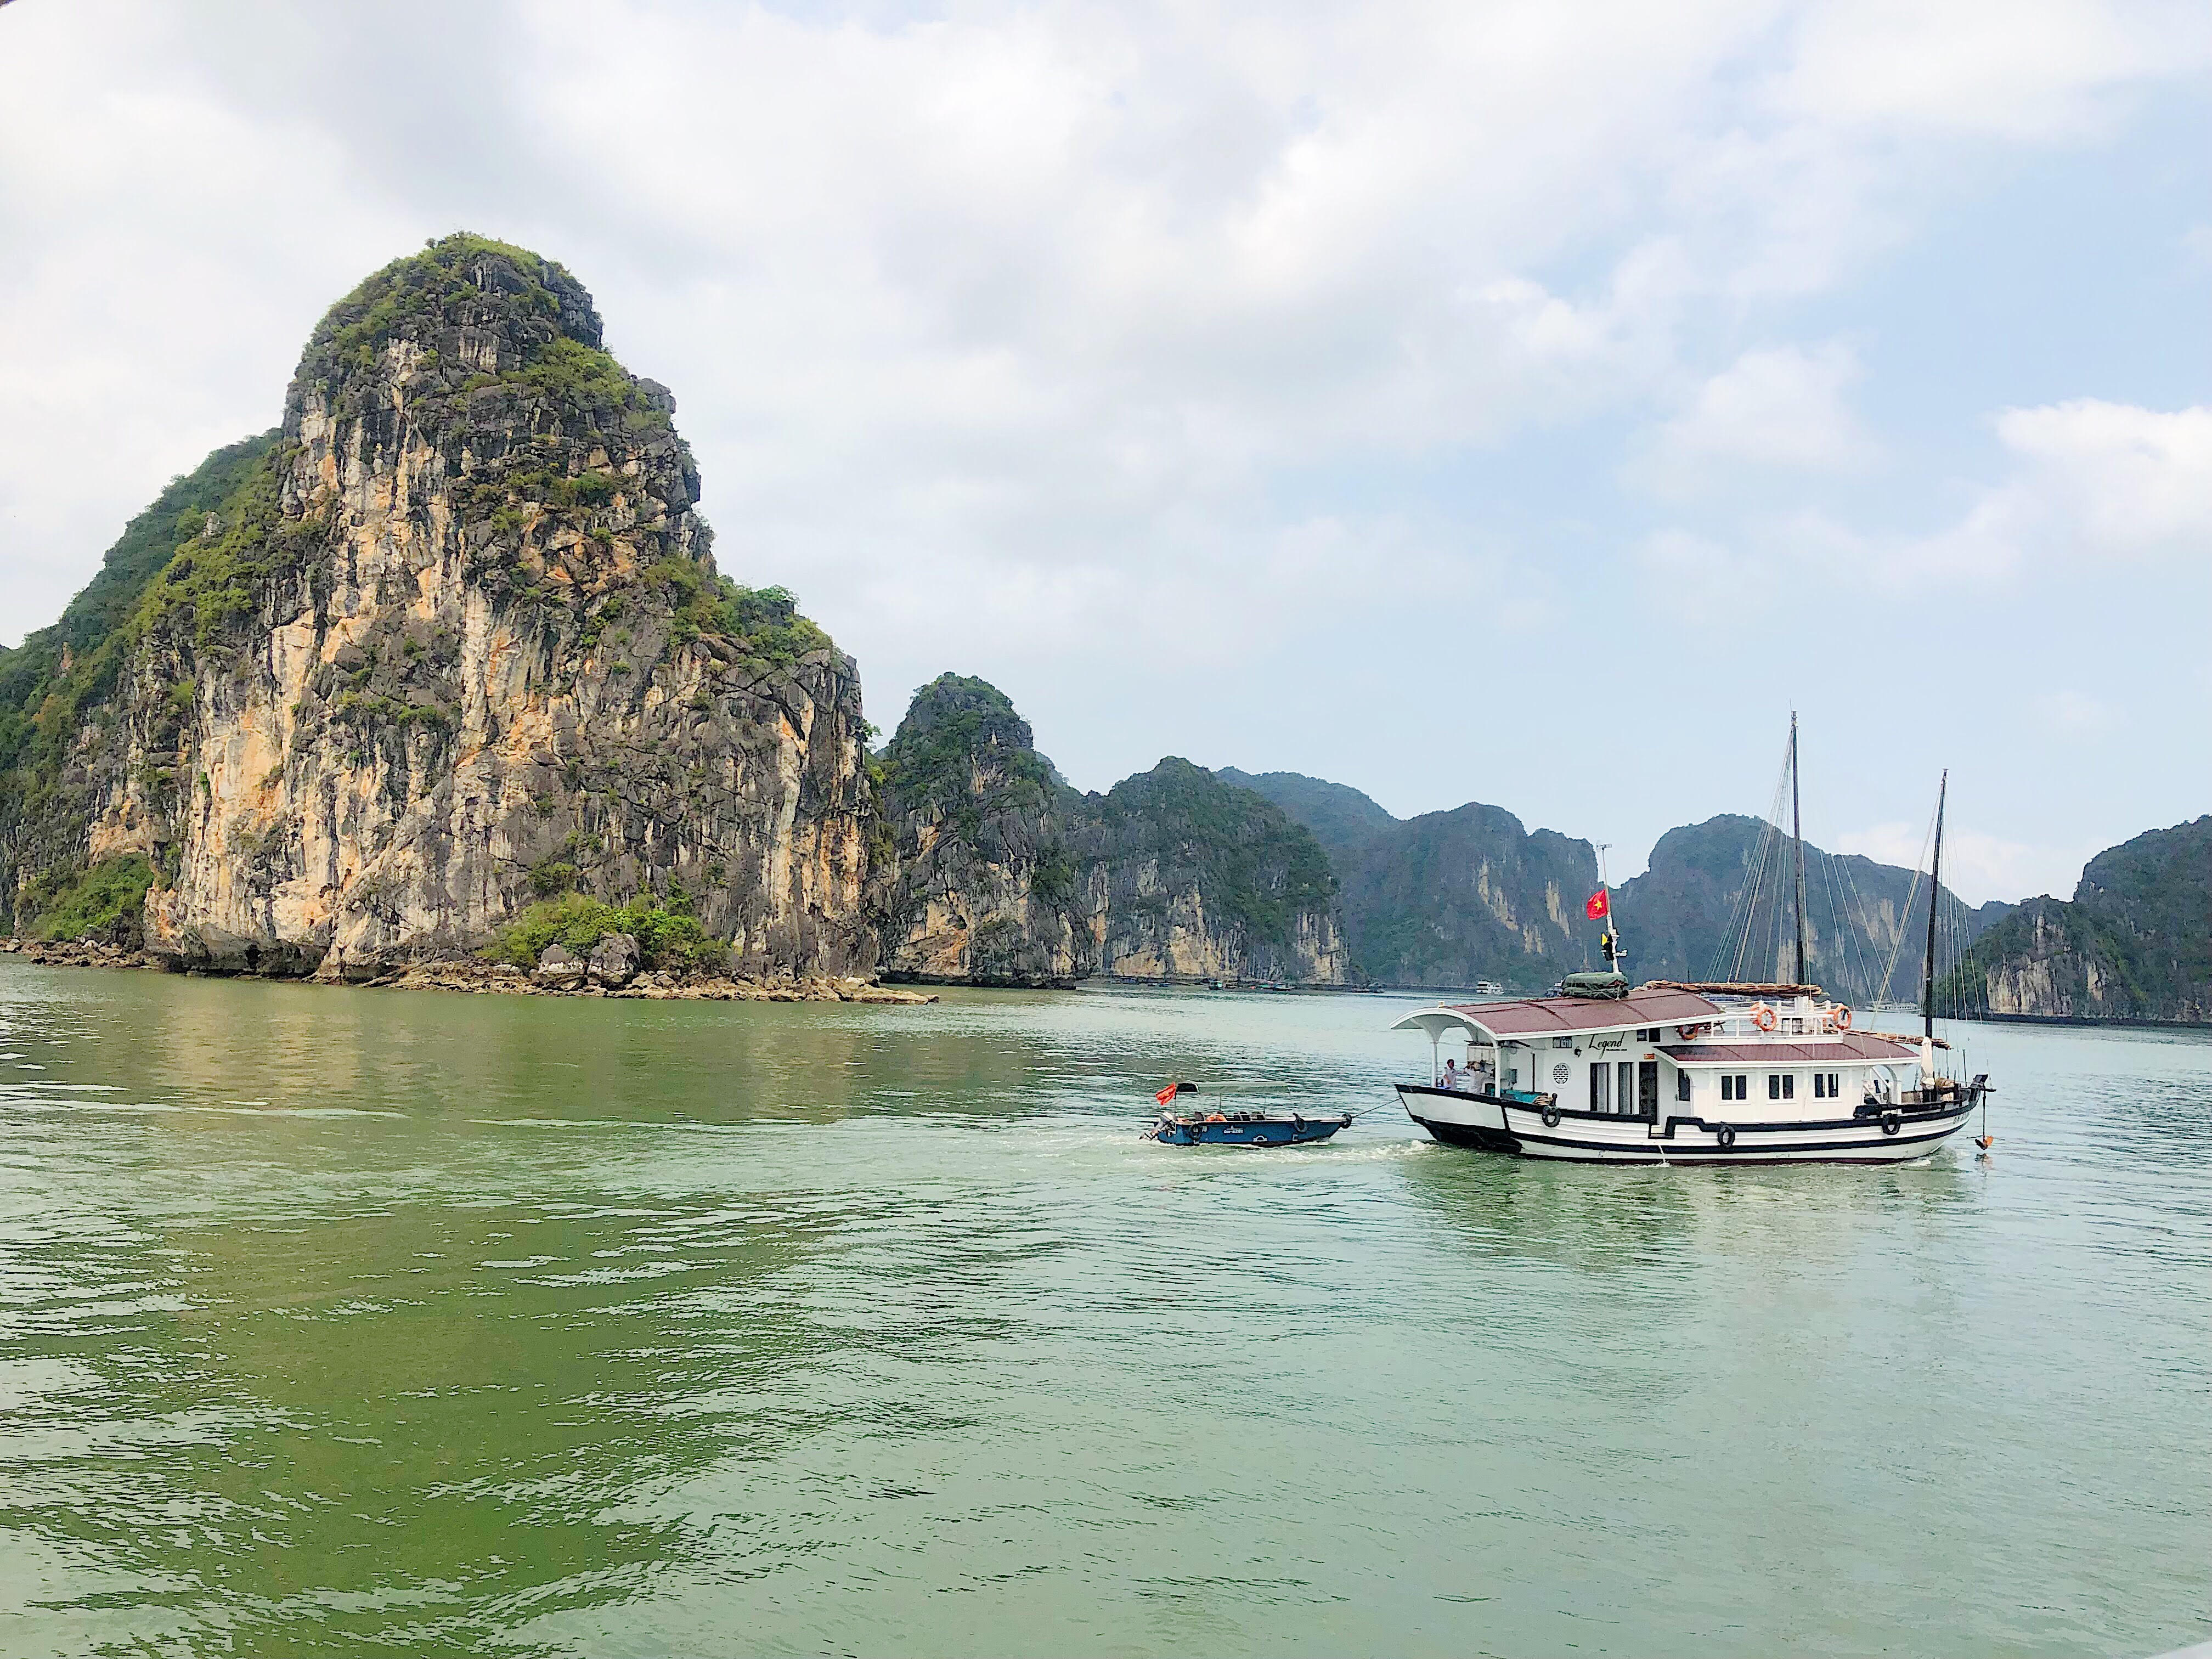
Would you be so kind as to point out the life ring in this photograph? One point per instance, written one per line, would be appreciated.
(1891, 1123)
(1215, 1117)
(1765, 1017)
(1551, 1117)
(1725, 1134)
(1686, 1032)
(1842, 1016)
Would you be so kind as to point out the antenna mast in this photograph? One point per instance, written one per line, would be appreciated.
(1934, 891)
(1797, 834)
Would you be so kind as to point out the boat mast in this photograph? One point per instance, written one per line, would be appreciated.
(1797, 834)
(1935, 889)
(1609, 940)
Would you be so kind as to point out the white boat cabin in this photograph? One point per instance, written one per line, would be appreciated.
(1666, 1052)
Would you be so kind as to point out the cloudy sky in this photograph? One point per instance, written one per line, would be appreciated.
(1528, 403)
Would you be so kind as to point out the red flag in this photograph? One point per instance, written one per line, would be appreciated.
(1597, 905)
(1166, 1096)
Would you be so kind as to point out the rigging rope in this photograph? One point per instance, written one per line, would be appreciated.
(1912, 900)
(1743, 918)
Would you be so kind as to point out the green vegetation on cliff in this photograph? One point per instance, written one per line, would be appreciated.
(1006, 875)
(958, 731)
(762, 623)
(668, 935)
(464, 292)
(62, 677)
(106, 901)
(1253, 864)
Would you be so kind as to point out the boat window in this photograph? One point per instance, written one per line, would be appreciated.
(1819, 1086)
(1727, 1086)
(1681, 1086)
(1835, 1092)
(1624, 1092)
(1600, 1087)
(1743, 1086)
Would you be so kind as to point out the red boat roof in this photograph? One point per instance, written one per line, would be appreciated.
(1563, 1015)
(1842, 1048)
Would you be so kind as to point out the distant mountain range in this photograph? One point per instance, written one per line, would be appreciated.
(1448, 898)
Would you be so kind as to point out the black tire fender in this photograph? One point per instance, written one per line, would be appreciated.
(1725, 1134)
(1891, 1123)
(1551, 1117)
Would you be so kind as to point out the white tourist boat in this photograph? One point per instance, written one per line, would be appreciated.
(1684, 1073)
(1691, 1073)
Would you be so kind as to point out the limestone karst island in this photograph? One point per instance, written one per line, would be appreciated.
(439, 680)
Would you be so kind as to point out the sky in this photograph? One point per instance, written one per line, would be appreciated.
(1524, 402)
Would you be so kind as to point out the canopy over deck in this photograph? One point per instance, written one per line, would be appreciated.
(1547, 1017)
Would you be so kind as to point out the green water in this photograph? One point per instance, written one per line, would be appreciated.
(352, 1321)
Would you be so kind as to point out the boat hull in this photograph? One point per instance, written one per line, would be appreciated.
(1263, 1131)
(1488, 1123)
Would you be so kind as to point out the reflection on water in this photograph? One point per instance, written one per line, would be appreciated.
(343, 1320)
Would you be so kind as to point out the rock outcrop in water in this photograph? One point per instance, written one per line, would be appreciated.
(2134, 943)
(450, 641)
(1001, 874)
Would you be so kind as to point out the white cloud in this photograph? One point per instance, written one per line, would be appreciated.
(2108, 479)
(1782, 408)
(2093, 482)
(2020, 70)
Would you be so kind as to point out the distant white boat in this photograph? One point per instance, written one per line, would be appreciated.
(1488, 987)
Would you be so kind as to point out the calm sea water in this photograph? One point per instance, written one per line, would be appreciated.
(343, 1322)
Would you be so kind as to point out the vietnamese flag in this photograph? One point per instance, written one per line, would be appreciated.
(1167, 1094)
(1596, 906)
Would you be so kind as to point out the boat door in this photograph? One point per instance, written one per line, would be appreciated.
(1647, 1089)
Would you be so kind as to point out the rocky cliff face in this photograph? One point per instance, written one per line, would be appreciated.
(983, 886)
(452, 640)
(1448, 898)
(1003, 875)
(1451, 897)
(2134, 943)
(1716, 901)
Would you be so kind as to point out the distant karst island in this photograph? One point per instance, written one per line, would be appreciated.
(438, 679)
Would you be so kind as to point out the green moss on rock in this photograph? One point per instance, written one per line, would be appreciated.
(106, 902)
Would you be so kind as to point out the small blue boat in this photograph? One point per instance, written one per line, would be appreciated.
(1238, 1129)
